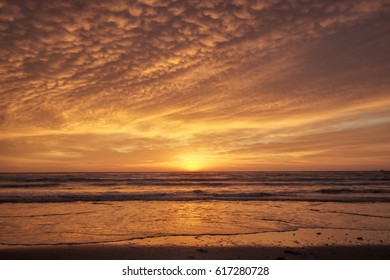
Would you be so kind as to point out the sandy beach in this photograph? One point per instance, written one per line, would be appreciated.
(308, 244)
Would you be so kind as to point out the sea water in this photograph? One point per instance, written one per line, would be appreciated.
(89, 208)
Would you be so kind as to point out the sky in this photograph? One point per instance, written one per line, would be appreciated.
(148, 85)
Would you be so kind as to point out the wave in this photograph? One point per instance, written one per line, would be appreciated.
(217, 179)
(196, 195)
(234, 186)
(145, 183)
(346, 190)
(15, 186)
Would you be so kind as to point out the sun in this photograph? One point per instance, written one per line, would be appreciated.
(193, 161)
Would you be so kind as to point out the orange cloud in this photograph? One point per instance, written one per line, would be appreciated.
(138, 85)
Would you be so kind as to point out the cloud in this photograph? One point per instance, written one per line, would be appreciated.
(186, 68)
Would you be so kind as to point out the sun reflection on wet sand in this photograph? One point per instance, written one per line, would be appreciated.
(195, 223)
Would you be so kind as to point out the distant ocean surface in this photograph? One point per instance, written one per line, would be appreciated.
(202, 186)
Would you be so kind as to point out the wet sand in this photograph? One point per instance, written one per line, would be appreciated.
(116, 252)
(308, 244)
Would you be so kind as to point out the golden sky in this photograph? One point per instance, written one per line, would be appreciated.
(153, 85)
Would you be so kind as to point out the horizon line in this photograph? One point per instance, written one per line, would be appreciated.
(204, 171)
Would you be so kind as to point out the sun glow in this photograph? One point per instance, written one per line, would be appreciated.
(193, 162)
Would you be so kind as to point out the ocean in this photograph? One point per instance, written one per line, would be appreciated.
(229, 186)
(87, 208)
